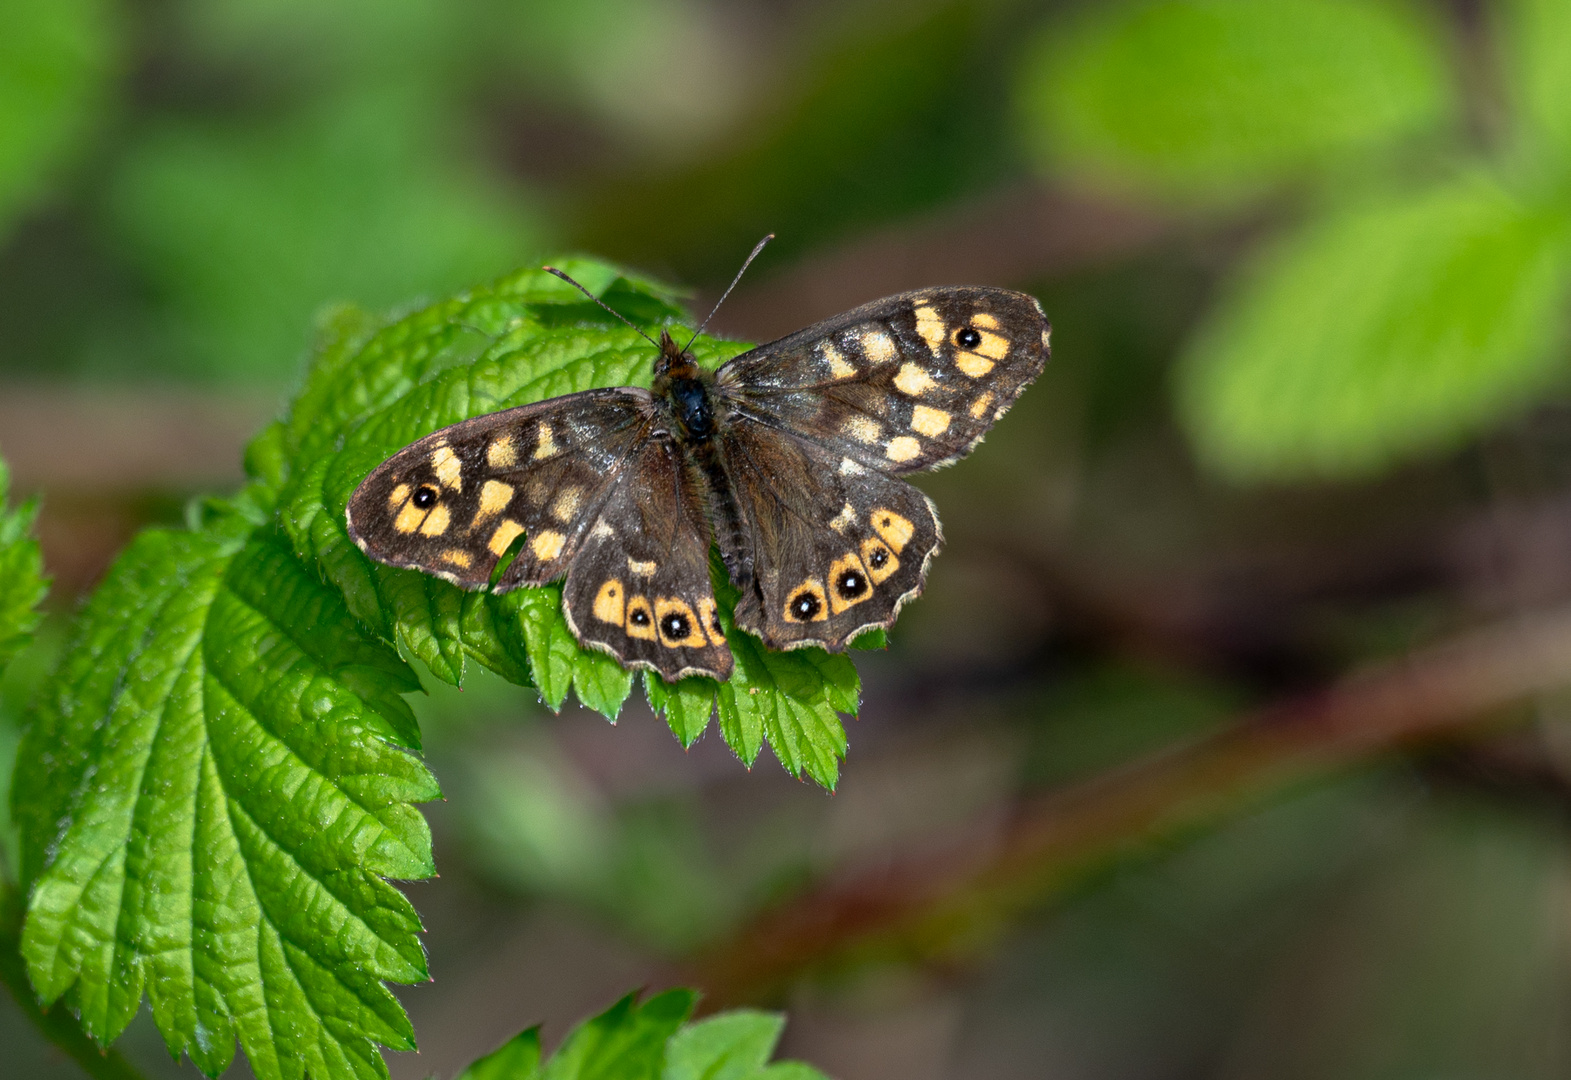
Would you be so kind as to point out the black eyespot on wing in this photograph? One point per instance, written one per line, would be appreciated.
(675, 626)
(424, 497)
(968, 337)
(850, 584)
(804, 605)
(878, 558)
(639, 617)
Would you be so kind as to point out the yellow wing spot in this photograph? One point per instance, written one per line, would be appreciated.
(567, 503)
(930, 328)
(843, 520)
(877, 346)
(505, 534)
(547, 544)
(711, 620)
(862, 429)
(409, 518)
(972, 364)
(608, 603)
(806, 603)
(985, 319)
(913, 381)
(849, 583)
(980, 405)
(929, 422)
(494, 498)
(458, 557)
(396, 498)
(546, 447)
(501, 453)
(902, 448)
(640, 619)
(449, 470)
(642, 569)
(879, 560)
(993, 346)
(895, 530)
(839, 367)
(436, 522)
(678, 624)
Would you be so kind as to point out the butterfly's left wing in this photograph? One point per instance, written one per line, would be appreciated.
(906, 383)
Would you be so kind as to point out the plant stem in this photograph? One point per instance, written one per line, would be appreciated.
(931, 908)
(57, 1025)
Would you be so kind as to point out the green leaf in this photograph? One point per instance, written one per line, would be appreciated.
(1536, 66)
(1378, 333)
(1210, 99)
(210, 794)
(732, 1046)
(651, 1041)
(526, 338)
(22, 582)
(516, 1059)
(626, 1042)
(55, 60)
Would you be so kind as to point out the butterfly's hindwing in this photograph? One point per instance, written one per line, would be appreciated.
(454, 502)
(908, 383)
(639, 585)
(837, 548)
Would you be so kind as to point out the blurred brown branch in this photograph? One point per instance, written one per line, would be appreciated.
(936, 907)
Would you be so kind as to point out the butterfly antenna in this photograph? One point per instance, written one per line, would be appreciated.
(756, 249)
(602, 303)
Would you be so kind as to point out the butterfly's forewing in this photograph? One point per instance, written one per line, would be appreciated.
(906, 383)
(836, 547)
(452, 503)
(639, 586)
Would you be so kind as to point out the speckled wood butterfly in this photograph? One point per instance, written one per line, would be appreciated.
(788, 457)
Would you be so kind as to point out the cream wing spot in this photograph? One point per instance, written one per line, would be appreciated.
(993, 346)
(980, 405)
(602, 530)
(546, 446)
(985, 319)
(494, 498)
(843, 520)
(913, 381)
(458, 557)
(397, 497)
(449, 470)
(972, 364)
(565, 508)
(409, 518)
(547, 544)
(877, 346)
(895, 529)
(436, 522)
(839, 367)
(930, 327)
(902, 448)
(642, 569)
(501, 453)
(504, 535)
(929, 422)
(862, 429)
(851, 467)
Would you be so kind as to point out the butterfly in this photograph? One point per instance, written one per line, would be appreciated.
(788, 458)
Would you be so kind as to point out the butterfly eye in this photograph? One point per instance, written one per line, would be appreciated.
(425, 497)
(967, 337)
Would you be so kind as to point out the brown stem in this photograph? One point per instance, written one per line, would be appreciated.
(930, 907)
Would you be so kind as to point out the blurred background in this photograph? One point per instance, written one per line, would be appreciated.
(1229, 740)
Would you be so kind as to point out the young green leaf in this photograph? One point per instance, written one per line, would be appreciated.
(1537, 39)
(210, 796)
(22, 583)
(651, 1041)
(526, 338)
(1382, 332)
(1211, 99)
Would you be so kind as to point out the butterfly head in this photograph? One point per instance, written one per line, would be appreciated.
(674, 364)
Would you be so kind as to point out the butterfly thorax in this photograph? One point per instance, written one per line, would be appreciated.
(684, 387)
